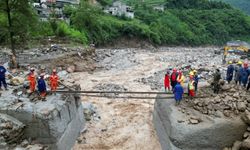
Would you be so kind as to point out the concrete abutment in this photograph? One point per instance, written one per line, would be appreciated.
(175, 132)
(56, 122)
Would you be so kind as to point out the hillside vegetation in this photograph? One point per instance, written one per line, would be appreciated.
(243, 5)
(184, 22)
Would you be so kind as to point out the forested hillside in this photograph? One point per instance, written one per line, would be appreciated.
(184, 22)
(243, 5)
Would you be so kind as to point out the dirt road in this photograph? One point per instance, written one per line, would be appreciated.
(127, 124)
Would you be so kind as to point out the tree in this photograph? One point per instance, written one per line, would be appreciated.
(19, 18)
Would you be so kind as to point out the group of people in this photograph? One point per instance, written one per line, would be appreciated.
(176, 79)
(41, 83)
(240, 72)
(33, 81)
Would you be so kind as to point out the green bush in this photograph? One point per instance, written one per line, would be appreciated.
(43, 29)
(63, 30)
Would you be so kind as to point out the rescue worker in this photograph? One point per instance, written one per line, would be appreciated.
(54, 80)
(173, 78)
(2, 77)
(191, 89)
(244, 73)
(196, 80)
(178, 92)
(191, 74)
(216, 84)
(167, 81)
(237, 77)
(42, 86)
(230, 72)
(181, 78)
(32, 80)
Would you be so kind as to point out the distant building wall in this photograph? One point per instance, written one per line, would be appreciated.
(119, 9)
(45, 8)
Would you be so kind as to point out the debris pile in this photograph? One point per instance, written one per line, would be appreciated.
(153, 80)
(232, 100)
(115, 59)
(90, 112)
(11, 130)
(110, 87)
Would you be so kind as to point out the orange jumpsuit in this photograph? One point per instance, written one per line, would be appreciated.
(54, 81)
(32, 80)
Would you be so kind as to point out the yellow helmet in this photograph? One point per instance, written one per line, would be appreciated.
(195, 71)
(191, 73)
(240, 62)
(230, 62)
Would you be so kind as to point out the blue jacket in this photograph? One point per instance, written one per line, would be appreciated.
(230, 72)
(41, 85)
(178, 92)
(196, 78)
(2, 72)
(244, 73)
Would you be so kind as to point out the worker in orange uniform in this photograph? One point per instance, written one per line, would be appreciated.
(54, 80)
(32, 80)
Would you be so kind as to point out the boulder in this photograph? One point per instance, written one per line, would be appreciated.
(62, 74)
(193, 121)
(17, 81)
(246, 117)
(71, 69)
(241, 106)
(11, 130)
(236, 95)
(246, 143)
(226, 113)
(236, 145)
(225, 87)
(246, 135)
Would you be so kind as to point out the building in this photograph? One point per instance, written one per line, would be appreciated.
(54, 8)
(120, 9)
(159, 8)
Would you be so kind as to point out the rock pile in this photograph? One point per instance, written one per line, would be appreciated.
(90, 111)
(232, 100)
(11, 130)
(110, 87)
(115, 58)
(154, 80)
